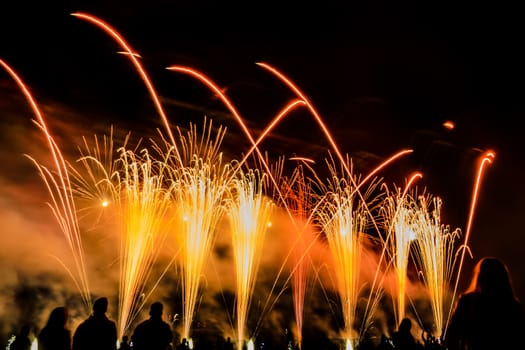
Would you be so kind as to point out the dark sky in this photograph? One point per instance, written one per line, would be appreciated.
(384, 76)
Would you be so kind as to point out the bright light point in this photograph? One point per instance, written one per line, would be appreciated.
(348, 345)
(34, 344)
(185, 218)
(190, 343)
(449, 125)
(411, 235)
(490, 154)
(269, 224)
(105, 203)
(251, 346)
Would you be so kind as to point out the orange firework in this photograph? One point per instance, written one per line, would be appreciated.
(199, 189)
(344, 218)
(435, 256)
(399, 213)
(62, 203)
(249, 213)
(299, 198)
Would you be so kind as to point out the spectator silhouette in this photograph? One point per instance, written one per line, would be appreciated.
(385, 343)
(55, 335)
(97, 331)
(228, 345)
(487, 315)
(153, 333)
(403, 338)
(22, 341)
(124, 344)
(183, 344)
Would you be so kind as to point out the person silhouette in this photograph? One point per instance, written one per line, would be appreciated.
(55, 335)
(228, 345)
(153, 333)
(487, 315)
(22, 341)
(124, 344)
(97, 331)
(403, 338)
(183, 344)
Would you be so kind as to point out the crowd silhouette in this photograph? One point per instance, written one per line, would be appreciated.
(486, 316)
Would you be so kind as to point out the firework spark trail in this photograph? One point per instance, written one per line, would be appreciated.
(300, 201)
(285, 111)
(335, 148)
(343, 218)
(99, 186)
(199, 188)
(91, 179)
(135, 60)
(383, 165)
(313, 111)
(58, 185)
(485, 159)
(249, 212)
(134, 186)
(398, 211)
(434, 255)
(143, 202)
(199, 194)
(214, 87)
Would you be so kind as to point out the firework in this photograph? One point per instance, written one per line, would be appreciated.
(135, 186)
(57, 182)
(299, 199)
(249, 213)
(199, 190)
(435, 256)
(344, 219)
(399, 214)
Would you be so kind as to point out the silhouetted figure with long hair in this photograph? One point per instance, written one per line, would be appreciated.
(98, 331)
(22, 341)
(55, 335)
(487, 315)
(153, 333)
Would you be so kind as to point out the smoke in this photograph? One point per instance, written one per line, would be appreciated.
(38, 272)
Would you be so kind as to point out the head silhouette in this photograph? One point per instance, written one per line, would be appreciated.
(100, 306)
(491, 278)
(155, 310)
(25, 330)
(57, 317)
(405, 325)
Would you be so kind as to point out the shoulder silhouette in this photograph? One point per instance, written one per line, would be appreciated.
(22, 340)
(487, 315)
(97, 331)
(153, 333)
(403, 338)
(55, 335)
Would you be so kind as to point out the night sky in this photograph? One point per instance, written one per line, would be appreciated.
(383, 76)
